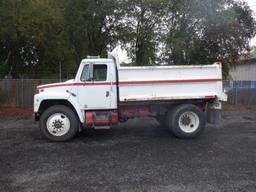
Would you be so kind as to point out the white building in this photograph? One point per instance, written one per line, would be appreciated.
(244, 71)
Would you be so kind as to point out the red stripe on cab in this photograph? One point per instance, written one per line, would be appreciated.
(132, 83)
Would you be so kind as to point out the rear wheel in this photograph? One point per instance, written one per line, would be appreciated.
(59, 123)
(186, 121)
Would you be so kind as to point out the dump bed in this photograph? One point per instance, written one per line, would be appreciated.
(170, 82)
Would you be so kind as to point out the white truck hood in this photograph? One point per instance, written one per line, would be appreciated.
(51, 85)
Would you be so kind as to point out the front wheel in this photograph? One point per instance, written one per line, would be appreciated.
(186, 121)
(59, 123)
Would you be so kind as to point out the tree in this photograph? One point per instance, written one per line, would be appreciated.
(93, 26)
(142, 18)
(31, 37)
(205, 31)
(37, 35)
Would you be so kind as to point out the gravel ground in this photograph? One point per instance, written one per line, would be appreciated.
(135, 156)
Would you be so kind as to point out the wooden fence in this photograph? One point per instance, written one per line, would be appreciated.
(20, 92)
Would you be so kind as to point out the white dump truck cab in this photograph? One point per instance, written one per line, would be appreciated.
(103, 94)
(97, 84)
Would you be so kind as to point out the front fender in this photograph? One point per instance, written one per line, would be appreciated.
(39, 98)
(77, 107)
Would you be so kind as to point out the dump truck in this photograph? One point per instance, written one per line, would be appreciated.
(182, 98)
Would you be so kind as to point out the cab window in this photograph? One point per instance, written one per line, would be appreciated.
(85, 73)
(99, 72)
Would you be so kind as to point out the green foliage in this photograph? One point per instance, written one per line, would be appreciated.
(142, 18)
(32, 37)
(3, 69)
(207, 31)
(37, 35)
(93, 25)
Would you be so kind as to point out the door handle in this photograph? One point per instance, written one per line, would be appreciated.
(107, 93)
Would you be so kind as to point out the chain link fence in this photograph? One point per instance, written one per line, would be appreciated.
(241, 92)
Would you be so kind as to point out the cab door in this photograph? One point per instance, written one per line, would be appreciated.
(95, 91)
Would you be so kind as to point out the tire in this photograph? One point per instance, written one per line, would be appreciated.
(59, 123)
(186, 121)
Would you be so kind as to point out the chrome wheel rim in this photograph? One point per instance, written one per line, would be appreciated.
(189, 122)
(58, 124)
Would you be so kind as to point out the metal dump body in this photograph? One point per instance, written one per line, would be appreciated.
(170, 82)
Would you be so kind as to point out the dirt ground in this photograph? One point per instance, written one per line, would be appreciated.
(135, 156)
(15, 112)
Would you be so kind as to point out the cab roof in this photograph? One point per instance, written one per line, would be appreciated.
(101, 60)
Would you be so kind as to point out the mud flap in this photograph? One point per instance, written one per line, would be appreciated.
(213, 113)
(213, 116)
